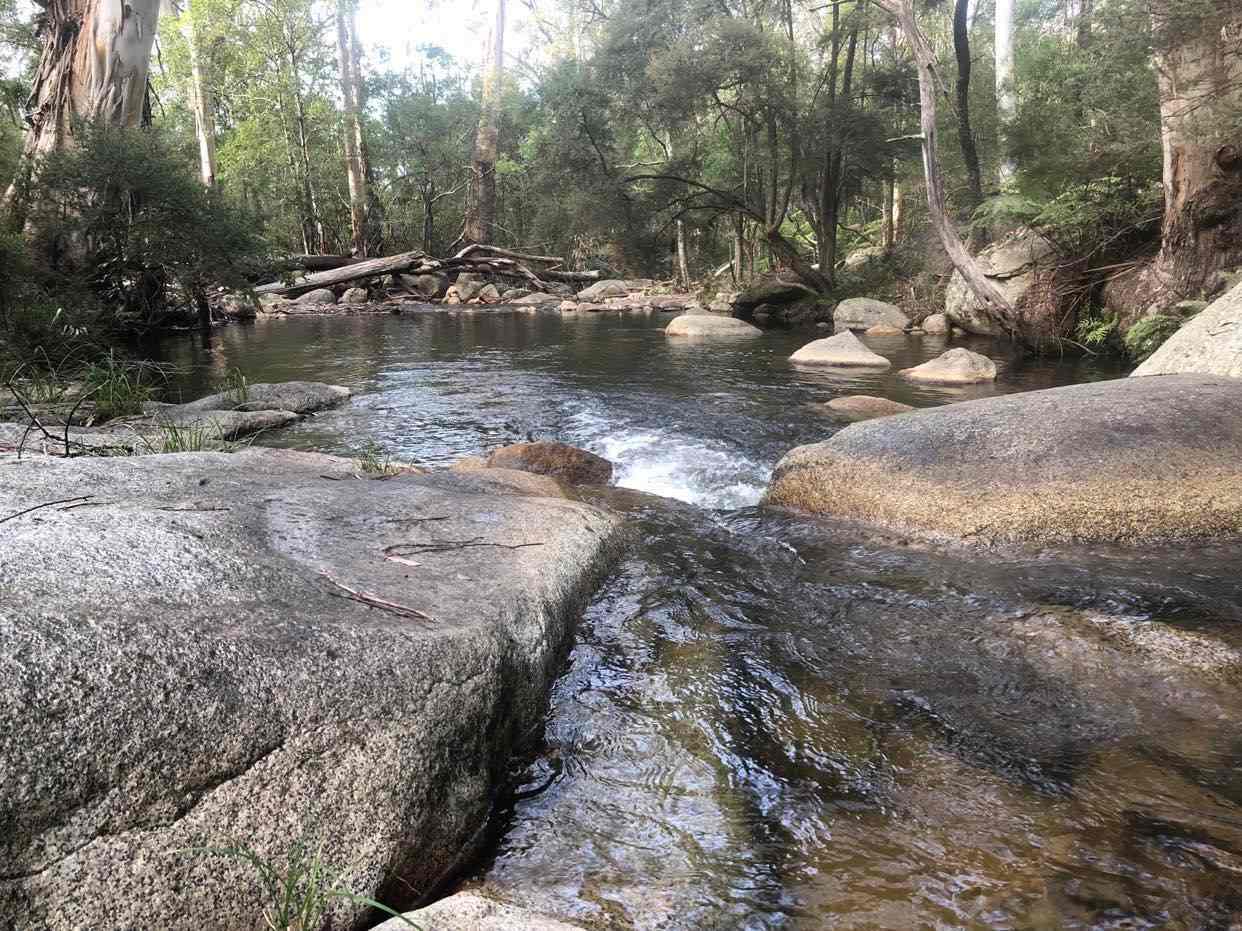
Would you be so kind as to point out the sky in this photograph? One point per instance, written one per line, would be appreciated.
(460, 27)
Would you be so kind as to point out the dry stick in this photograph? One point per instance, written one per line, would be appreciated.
(374, 601)
(46, 504)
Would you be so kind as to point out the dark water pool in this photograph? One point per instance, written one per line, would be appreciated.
(778, 722)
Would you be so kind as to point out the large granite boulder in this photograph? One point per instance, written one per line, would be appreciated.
(955, 367)
(355, 296)
(239, 306)
(561, 461)
(862, 313)
(1014, 266)
(468, 285)
(935, 325)
(1134, 459)
(262, 650)
(429, 286)
(845, 350)
(323, 296)
(774, 291)
(701, 325)
(1210, 344)
(537, 299)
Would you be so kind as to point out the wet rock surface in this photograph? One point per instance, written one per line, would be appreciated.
(206, 650)
(955, 367)
(845, 350)
(558, 460)
(700, 325)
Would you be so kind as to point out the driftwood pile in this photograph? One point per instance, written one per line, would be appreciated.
(476, 259)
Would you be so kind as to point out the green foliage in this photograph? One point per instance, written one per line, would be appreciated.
(236, 386)
(1149, 334)
(121, 217)
(1006, 211)
(176, 438)
(1103, 214)
(374, 461)
(302, 891)
(120, 388)
(1094, 330)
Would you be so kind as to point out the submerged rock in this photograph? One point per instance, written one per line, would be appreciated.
(867, 407)
(710, 325)
(470, 911)
(258, 650)
(559, 460)
(300, 397)
(1134, 459)
(845, 350)
(861, 313)
(1210, 344)
(955, 367)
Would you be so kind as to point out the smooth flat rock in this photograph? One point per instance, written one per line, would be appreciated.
(1128, 460)
(710, 325)
(221, 425)
(537, 299)
(558, 460)
(259, 649)
(1210, 344)
(470, 911)
(866, 407)
(862, 313)
(957, 366)
(300, 397)
(602, 289)
(845, 350)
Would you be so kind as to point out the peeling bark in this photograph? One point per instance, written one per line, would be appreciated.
(93, 68)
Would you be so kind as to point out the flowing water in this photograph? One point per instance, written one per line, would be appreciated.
(771, 721)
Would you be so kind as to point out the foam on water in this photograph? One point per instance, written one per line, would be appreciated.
(673, 464)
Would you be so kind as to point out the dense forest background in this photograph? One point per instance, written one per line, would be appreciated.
(704, 140)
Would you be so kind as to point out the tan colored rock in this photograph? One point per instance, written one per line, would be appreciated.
(845, 350)
(569, 307)
(867, 407)
(1012, 265)
(355, 296)
(471, 911)
(701, 325)
(861, 313)
(954, 367)
(884, 329)
(559, 460)
(1129, 460)
(488, 294)
(936, 325)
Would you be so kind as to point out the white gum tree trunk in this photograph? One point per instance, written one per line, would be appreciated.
(200, 100)
(1006, 92)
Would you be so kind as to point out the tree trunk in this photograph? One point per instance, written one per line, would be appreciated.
(1006, 92)
(200, 101)
(994, 304)
(965, 135)
(890, 217)
(481, 202)
(1199, 72)
(683, 266)
(365, 238)
(94, 64)
(831, 180)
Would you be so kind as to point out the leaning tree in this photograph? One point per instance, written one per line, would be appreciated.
(95, 59)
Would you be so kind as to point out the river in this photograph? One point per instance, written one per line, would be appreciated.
(771, 721)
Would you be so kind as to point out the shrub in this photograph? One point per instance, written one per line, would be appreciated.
(1149, 334)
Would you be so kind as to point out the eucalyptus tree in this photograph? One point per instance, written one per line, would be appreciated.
(366, 213)
(481, 206)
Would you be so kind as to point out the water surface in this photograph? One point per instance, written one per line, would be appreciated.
(771, 721)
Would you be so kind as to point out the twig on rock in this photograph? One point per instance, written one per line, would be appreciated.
(374, 601)
(448, 546)
(46, 504)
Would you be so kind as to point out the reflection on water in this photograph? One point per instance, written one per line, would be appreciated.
(778, 722)
(700, 422)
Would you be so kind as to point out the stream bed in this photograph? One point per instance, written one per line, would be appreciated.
(771, 721)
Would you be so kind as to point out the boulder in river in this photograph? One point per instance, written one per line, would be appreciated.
(355, 296)
(471, 911)
(935, 325)
(866, 407)
(1128, 460)
(468, 285)
(956, 366)
(429, 286)
(773, 291)
(1210, 344)
(845, 350)
(300, 397)
(318, 296)
(561, 461)
(488, 294)
(238, 307)
(262, 650)
(1013, 265)
(884, 329)
(862, 313)
(603, 289)
(537, 299)
(710, 325)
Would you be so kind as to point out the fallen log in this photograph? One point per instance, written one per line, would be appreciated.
(317, 263)
(371, 268)
(479, 259)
